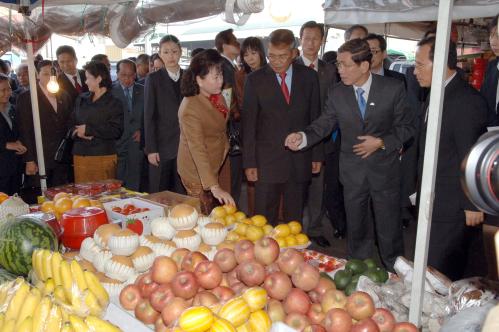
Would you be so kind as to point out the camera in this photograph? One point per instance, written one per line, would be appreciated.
(480, 173)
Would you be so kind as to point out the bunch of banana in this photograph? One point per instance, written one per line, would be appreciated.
(78, 290)
(27, 309)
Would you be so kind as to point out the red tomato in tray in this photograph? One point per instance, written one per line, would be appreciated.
(135, 226)
(116, 209)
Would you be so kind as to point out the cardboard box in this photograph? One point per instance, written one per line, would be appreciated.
(170, 199)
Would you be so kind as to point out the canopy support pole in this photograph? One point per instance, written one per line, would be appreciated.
(430, 159)
(35, 109)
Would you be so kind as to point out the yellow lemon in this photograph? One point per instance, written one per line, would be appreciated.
(241, 228)
(218, 212)
(282, 242)
(295, 227)
(301, 239)
(48, 206)
(232, 236)
(240, 215)
(291, 241)
(230, 209)
(267, 229)
(247, 221)
(254, 233)
(282, 230)
(259, 220)
(229, 219)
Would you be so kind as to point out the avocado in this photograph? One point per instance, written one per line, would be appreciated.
(342, 279)
(356, 266)
(352, 287)
(371, 263)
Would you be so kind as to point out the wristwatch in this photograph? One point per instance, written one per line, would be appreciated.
(382, 147)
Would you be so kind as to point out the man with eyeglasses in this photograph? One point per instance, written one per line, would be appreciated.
(375, 121)
(490, 87)
(279, 98)
(377, 44)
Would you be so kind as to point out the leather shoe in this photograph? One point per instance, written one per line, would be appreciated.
(320, 240)
(339, 234)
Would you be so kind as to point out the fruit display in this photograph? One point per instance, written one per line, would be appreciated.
(128, 209)
(63, 202)
(11, 206)
(85, 189)
(75, 289)
(26, 308)
(19, 237)
(347, 278)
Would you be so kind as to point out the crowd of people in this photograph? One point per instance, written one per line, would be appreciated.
(340, 136)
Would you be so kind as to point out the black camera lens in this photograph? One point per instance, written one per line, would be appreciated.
(480, 176)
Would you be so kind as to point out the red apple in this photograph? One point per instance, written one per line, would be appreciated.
(163, 270)
(244, 251)
(333, 298)
(360, 305)
(315, 314)
(226, 259)
(251, 273)
(178, 255)
(161, 296)
(405, 327)
(324, 285)
(297, 321)
(306, 276)
(276, 311)
(184, 285)
(314, 328)
(145, 312)
(289, 260)
(191, 261)
(173, 310)
(266, 250)
(337, 320)
(205, 298)
(208, 274)
(384, 319)
(365, 325)
(223, 293)
(297, 301)
(130, 297)
(146, 285)
(278, 285)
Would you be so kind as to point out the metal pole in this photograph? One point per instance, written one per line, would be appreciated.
(35, 109)
(430, 159)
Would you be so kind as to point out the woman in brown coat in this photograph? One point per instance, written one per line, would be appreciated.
(203, 121)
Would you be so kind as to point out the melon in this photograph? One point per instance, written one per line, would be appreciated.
(19, 237)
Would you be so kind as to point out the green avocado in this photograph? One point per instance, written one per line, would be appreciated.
(356, 266)
(342, 279)
(371, 263)
(382, 275)
(372, 274)
(352, 287)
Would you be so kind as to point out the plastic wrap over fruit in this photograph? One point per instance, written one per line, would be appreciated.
(472, 292)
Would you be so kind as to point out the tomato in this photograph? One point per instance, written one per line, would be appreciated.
(145, 209)
(116, 209)
(128, 207)
(135, 226)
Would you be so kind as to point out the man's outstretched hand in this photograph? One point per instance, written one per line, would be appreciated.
(293, 141)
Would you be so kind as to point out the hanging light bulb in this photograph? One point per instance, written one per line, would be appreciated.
(52, 85)
(280, 10)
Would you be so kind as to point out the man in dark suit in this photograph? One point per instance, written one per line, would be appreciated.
(377, 44)
(279, 98)
(55, 111)
(490, 87)
(72, 80)
(371, 112)
(455, 221)
(227, 45)
(142, 68)
(161, 128)
(130, 154)
(10, 145)
(311, 37)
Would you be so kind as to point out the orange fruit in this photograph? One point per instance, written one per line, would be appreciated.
(3, 197)
(295, 227)
(60, 195)
(48, 207)
(63, 204)
(81, 202)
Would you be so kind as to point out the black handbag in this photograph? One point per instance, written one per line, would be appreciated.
(234, 138)
(64, 153)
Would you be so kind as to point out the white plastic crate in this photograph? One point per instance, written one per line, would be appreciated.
(155, 211)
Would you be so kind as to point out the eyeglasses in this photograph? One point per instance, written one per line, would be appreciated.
(280, 57)
(340, 65)
(419, 65)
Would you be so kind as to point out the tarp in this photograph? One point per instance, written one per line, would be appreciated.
(121, 20)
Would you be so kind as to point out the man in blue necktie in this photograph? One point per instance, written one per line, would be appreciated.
(130, 154)
(375, 121)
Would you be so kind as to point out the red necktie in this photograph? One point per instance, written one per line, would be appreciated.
(77, 85)
(311, 66)
(284, 87)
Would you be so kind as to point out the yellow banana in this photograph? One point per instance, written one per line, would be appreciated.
(9, 326)
(28, 309)
(2, 318)
(78, 324)
(4, 294)
(25, 325)
(77, 272)
(59, 295)
(36, 261)
(96, 287)
(49, 287)
(46, 264)
(56, 268)
(17, 301)
(92, 303)
(41, 314)
(54, 321)
(65, 317)
(67, 280)
(67, 327)
(97, 324)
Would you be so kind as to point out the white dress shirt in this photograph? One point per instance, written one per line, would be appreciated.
(78, 78)
(174, 76)
(307, 62)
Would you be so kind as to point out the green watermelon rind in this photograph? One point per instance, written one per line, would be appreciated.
(27, 232)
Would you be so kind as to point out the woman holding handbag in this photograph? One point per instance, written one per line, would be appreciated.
(203, 119)
(55, 112)
(98, 124)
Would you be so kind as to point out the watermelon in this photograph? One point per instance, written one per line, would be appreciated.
(19, 237)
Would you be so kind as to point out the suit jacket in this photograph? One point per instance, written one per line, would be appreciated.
(464, 119)
(8, 158)
(134, 120)
(229, 73)
(489, 91)
(203, 141)
(396, 75)
(267, 119)
(161, 128)
(54, 125)
(328, 75)
(66, 85)
(387, 116)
